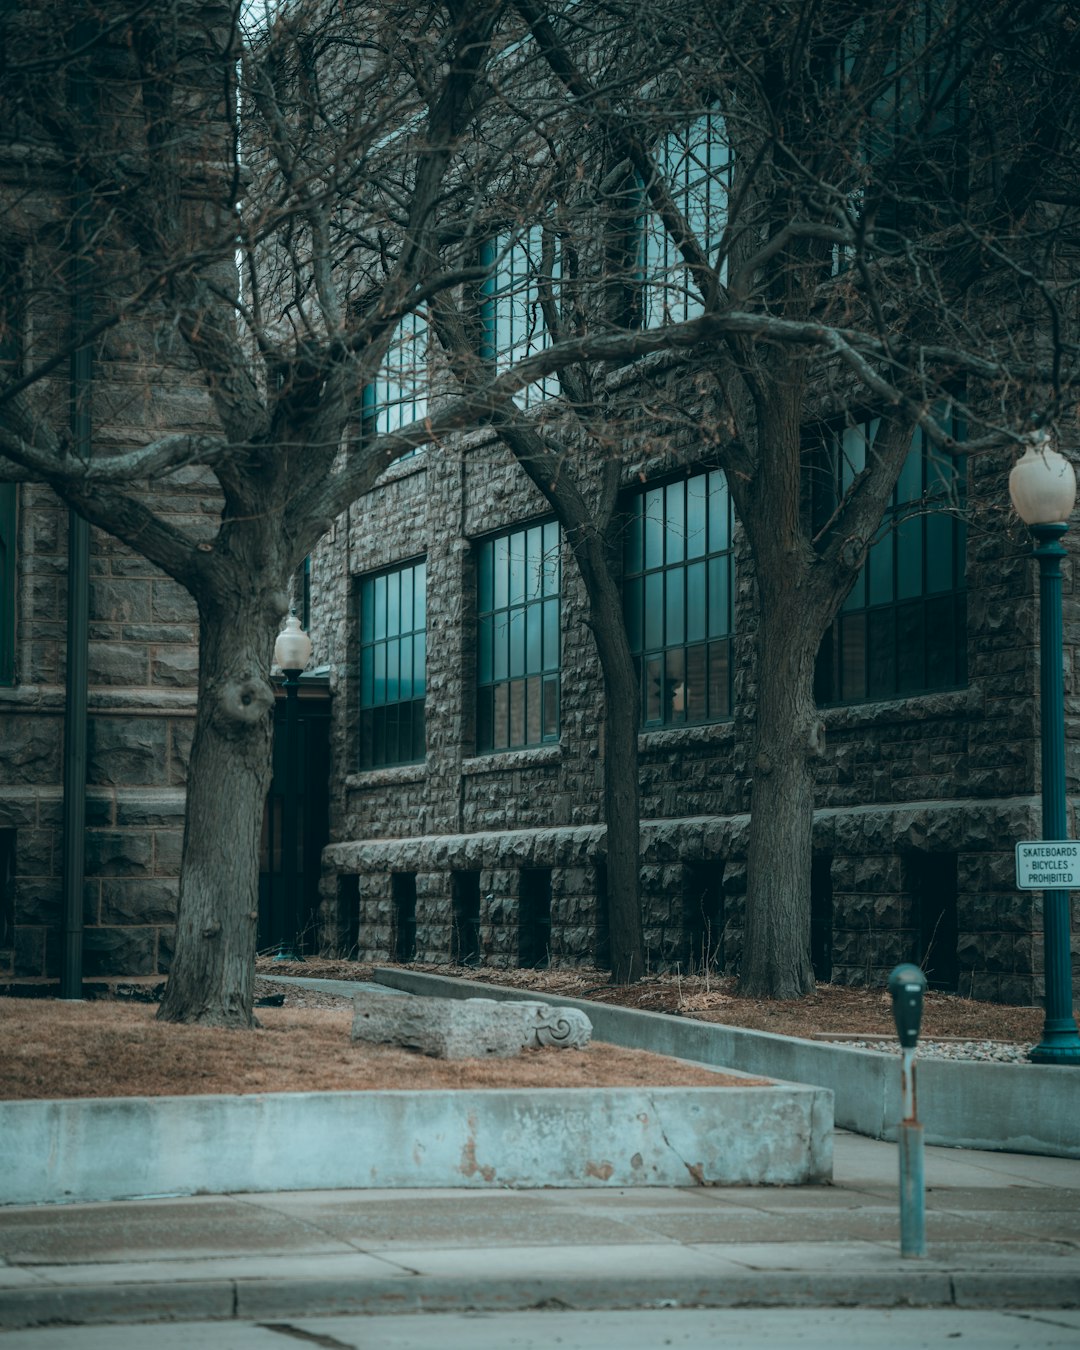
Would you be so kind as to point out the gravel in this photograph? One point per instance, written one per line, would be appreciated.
(1001, 1052)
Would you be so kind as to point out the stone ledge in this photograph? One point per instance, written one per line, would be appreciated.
(967, 703)
(392, 777)
(125, 1148)
(502, 760)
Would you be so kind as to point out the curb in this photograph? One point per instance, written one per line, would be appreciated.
(256, 1300)
(1015, 1108)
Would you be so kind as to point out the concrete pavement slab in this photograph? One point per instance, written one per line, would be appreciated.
(687, 1329)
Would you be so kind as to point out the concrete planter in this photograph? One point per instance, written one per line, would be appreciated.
(1021, 1108)
(118, 1148)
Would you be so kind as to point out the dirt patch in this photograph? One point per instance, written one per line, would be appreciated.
(831, 1010)
(117, 1049)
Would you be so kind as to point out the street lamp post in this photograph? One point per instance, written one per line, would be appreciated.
(292, 652)
(1042, 485)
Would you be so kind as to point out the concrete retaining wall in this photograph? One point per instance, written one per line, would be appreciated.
(119, 1148)
(1022, 1108)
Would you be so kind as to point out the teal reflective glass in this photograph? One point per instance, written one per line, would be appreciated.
(533, 643)
(696, 516)
(380, 607)
(674, 606)
(909, 577)
(674, 523)
(551, 635)
(719, 514)
(552, 565)
(393, 692)
(501, 569)
(654, 611)
(654, 528)
(696, 602)
(501, 646)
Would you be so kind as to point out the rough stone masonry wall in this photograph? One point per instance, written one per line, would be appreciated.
(938, 781)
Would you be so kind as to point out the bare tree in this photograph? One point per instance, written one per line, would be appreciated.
(900, 215)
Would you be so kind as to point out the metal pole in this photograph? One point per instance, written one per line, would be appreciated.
(1060, 1042)
(289, 915)
(78, 561)
(912, 1178)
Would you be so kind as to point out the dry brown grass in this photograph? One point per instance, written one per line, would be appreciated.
(112, 1049)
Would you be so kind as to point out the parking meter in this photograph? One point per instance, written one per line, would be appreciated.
(907, 984)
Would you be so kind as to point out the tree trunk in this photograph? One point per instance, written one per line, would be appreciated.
(776, 951)
(622, 796)
(213, 971)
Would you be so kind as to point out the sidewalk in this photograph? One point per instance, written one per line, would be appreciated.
(1003, 1230)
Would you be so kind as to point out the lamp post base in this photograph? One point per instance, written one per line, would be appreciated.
(1059, 1045)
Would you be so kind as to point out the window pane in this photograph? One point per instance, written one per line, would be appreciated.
(675, 686)
(380, 607)
(485, 593)
(675, 625)
(534, 731)
(654, 611)
(853, 657)
(367, 677)
(501, 569)
(696, 504)
(551, 559)
(939, 552)
(501, 719)
(379, 696)
(654, 529)
(420, 664)
(632, 602)
(392, 689)
(909, 487)
(909, 578)
(719, 587)
(393, 603)
(534, 562)
(533, 653)
(653, 690)
(697, 703)
(675, 531)
(517, 642)
(696, 602)
(517, 568)
(517, 712)
(407, 624)
(881, 570)
(484, 626)
(719, 513)
(909, 648)
(551, 708)
(500, 640)
(881, 653)
(484, 730)
(551, 634)
(720, 679)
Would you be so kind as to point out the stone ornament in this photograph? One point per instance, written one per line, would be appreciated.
(474, 1028)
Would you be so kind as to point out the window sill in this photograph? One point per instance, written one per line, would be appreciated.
(391, 776)
(500, 760)
(925, 707)
(663, 738)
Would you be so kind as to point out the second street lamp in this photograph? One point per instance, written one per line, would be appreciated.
(292, 652)
(1042, 485)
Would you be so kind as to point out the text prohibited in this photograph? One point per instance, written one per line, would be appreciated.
(1048, 865)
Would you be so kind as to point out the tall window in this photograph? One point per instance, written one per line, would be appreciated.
(903, 628)
(399, 393)
(696, 163)
(511, 312)
(678, 588)
(7, 583)
(10, 365)
(393, 666)
(517, 604)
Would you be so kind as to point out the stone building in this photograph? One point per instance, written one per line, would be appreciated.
(467, 719)
(466, 813)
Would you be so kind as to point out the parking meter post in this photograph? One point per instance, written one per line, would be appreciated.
(907, 984)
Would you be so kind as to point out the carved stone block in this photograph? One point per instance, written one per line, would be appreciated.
(474, 1028)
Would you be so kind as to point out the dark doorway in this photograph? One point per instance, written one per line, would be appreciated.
(465, 914)
(703, 916)
(821, 917)
(289, 919)
(534, 918)
(929, 880)
(403, 895)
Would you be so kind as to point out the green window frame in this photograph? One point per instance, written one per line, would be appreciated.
(393, 665)
(399, 393)
(518, 615)
(902, 630)
(696, 163)
(679, 599)
(8, 522)
(511, 315)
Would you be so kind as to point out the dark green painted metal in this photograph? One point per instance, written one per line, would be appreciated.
(8, 522)
(1060, 1042)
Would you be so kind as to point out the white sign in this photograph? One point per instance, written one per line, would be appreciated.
(1048, 865)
